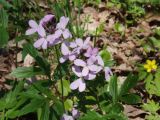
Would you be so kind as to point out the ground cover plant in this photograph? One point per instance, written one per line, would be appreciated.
(79, 60)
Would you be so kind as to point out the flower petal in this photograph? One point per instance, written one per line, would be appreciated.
(91, 60)
(44, 45)
(63, 59)
(33, 24)
(30, 31)
(82, 85)
(67, 34)
(46, 19)
(66, 117)
(95, 51)
(108, 73)
(86, 43)
(95, 68)
(79, 62)
(75, 113)
(64, 49)
(39, 43)
(41, 31)
(79, 42)
(63, 23)
(100, 60)
(77, 71)
(85, 71)
(75, 84)
(72, 44)
(90, 76)
(72, 57)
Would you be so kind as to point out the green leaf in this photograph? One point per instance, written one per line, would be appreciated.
(3, 18)
(66, 87)
(142, 75)
(58, 108)
(68, 104)
(31, 107)
(111, 107)
(151, 106)
(113, 88)
(148, 81)
(114, 116)
(11, 97)
(26, 72)
(119, 27)
(155, 42)
(45, 112)
(131, 98)
(106, 56)
(91, 115)
(5, 4)
(4, 36)
(64, 70)
(129, 83)
(43, 63)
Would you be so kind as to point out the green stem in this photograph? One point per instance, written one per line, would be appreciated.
(58, 56)
(97, 98)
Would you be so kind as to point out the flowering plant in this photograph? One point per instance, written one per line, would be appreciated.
(80, 86)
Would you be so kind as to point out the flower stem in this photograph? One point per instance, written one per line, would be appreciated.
(58, 56)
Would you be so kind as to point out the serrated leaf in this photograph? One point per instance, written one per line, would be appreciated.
(26, 72)
(91, 115)
(131, 99)
(151, 106)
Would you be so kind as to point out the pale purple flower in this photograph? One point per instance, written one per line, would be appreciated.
(67, 54)
(108, 73)
(99, 60)
(34, 27)
(67, 117)
(87, 67)
(78, 84)
(56, 38)
(43, 42)
(75, 113)
(106, 70)
(91, 52)
(46, 19)
(81, 45)
(62, 26)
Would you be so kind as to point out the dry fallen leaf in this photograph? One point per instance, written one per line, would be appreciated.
(28, 61)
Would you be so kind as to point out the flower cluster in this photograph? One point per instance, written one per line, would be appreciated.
(85, 58)
(87, 62)
(49, 37)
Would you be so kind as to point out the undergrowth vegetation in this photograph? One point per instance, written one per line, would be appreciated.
(69, 70)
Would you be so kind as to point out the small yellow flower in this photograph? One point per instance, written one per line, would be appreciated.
(150, 65)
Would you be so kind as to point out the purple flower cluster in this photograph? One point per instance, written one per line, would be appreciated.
(47, 39)
(87, 62)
